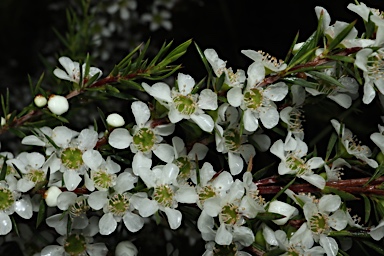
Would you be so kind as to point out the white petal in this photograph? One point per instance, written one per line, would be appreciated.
(212, 206)
(235, 162)
(269, 117)
(159, 91)
(133, 222)
(276, 92)
(243, 235)
(72, 179)
(277, 149)
(65, 199)
(223, 236)
(174, 217)
(53, 250)
(208, 99)
(369, 93)
(256, 73)
(141, 112)
(88, 139)
(164, 152)
(23, 207)
(338, 220)
(235, 96)
(204, 121)
(329, 203)
(186, 195)
(169, 173)
(377, 233)
(92, 158)
(185, 83)
(250, 120)
(107, 224)
(314, 179)
(97, 199)
(61, 74)
(361, 58)
(32, 140)
(283, 209)
(247, 151)
(147, 207)
(175, 116)
(315, 162)
(120, 138)
(343, 100)
(141, 162)
(199, 150)
(5, 224)
(329, 244)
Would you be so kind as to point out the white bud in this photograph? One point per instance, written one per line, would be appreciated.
(3, 121)
(51, 196)
(40, 101)
(126, 248)
(58, 104)
(296, 47)
(115, 120)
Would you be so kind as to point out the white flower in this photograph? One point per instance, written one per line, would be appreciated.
(292, 116)
(144, 140)
(58, 104)
(212, 249)
(165, 195)
(371, 63)
(352, 146)
(182, 104)
(11, 201)
(284, 209)
(158, 19)
(256, 101)
(115, 120)
(293, 161)
(271, 64)
(39, 139)
(333, 172)
(51, 196)
(30, 165)
(378, 138)
(72, 71)
(126, 248)
(187, 161)
(123, 7)
(231, 79)
(320, 221)
(377, 232)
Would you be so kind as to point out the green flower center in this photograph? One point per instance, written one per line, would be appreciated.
(318, 223)
(75, 245)
(206, 192)
(103, 180)
(185, 167)
(185, 104)
(6, 198)
(144, 139)
(229, 214)
(79, 208)
(35, 176)
(118, 204)
(297, 165)
(72, 158)
(253, 98)
(164, 195)
(232, 139)
(225, 250)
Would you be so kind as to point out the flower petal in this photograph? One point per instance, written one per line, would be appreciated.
(133, 222)
(204, 121)
(107, 224)
(141, 112)
(174, 217)
(120, 138)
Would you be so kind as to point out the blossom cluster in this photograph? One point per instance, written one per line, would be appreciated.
(182, 144)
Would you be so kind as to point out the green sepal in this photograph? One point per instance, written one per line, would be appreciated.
(41, 213)
(326, 78)
(331, 144)
(92, 80)
(301, 82)
(265, 216)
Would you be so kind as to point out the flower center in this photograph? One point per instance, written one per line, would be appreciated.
(318, 223)
(185, 167)
(6, 198)
(297, 165)
(270, 59)
(206, 192)
(79, 208)
(72, 158)
(118, 204)
(253, 98)
(295, 120)
(75, 244)
(103, 180)
(232, 139)
(229, 214)
(144, 139)
(376, 65)
(35, 176)
(164, 195)
(185, 104)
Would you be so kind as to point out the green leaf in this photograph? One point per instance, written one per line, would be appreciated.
(219, 82)
(346, 59)
(301, 82)
(175, 54)
(283, 190)
(331, 144)
(127, 58)
(291, 48)
(303, 58)
(164, 48)
(367, 208)
(344, 195)
(265, 216)
(260, 173)
(340, 37)
(41, 213)
(102, 117)
(376, 247)
(3, 172)
(326, 78)
(198, 86)
(92, 80)
(306, 69)
(378, 173)
(302, 53)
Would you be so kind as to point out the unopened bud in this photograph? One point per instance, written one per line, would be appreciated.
(58, 104)
(3, 121)
(51, 196)
(40, 101)
(115, 120)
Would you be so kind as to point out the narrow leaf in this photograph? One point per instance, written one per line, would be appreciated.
(341, 36)
(367, 208)
(41, 213)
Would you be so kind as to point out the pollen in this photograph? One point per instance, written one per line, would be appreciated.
(270, 59)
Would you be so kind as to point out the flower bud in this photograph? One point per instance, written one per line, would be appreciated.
(40, 101)
(3, 121)
(58, 104)
(115, 120)
(51, 196)
(126, 248)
